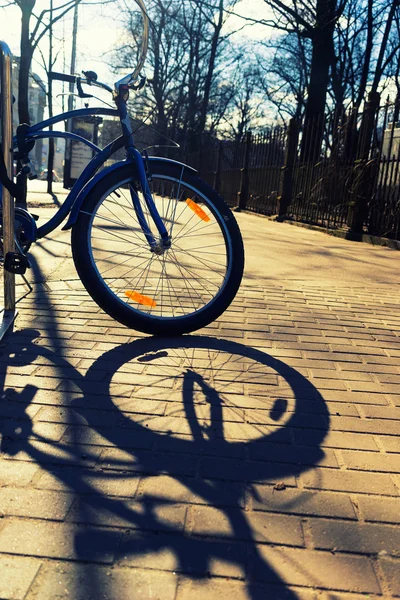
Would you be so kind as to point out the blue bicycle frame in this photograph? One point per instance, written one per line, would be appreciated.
(90, 176)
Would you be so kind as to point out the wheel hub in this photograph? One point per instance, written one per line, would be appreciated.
(161, 246)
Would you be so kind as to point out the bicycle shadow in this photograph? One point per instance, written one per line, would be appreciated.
(214, 469)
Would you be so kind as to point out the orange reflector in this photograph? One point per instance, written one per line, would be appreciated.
(198, 210)
(140, 299)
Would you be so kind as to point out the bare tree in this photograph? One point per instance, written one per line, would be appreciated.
(285, 74)
(33, 28)
(314, 20)
(190, 66)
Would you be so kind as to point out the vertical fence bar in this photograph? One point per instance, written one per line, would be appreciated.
(358, 214)
(9, 312)
(217, 172)
(244, 180)
(287, 170)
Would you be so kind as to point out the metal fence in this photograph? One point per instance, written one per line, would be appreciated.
(250, 166)
(353, 183)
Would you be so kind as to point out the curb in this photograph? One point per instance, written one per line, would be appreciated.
(340, 233)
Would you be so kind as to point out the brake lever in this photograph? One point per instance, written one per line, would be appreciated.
(81, 93)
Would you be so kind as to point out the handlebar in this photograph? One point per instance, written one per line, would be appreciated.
(62, 77)
(90, 79)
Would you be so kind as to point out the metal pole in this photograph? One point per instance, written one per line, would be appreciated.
(71, 100)
(73, 57)
(9, 312)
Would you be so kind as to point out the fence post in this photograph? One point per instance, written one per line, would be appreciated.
(243, 193)
(9, 312)
(287, 169)
(217, 172)
(358, 211)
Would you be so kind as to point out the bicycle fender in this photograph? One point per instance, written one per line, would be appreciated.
(153, 162)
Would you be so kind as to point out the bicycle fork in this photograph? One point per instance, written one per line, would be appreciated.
(157, 246)
(164, 241)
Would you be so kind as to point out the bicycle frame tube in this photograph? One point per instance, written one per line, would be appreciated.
(36, 132)
(78, 188)
(62, 134)
(81, 112)
(88, 174)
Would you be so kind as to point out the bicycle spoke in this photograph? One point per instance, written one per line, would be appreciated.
(199, 277)
(168, 282)
(205, 264)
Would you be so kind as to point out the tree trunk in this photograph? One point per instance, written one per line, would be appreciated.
(211, 68)
(321, 60)
(25, 61)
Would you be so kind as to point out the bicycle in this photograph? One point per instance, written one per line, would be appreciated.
(155, 247)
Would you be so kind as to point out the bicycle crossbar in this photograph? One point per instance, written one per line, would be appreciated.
(8, 313)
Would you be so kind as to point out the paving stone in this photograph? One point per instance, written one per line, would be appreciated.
(391, 569)
(347, 375)
(336, 439)
(17, 575)
(196, 556)
(91, 417)
(33, 537)
(14, 429)
(145, 515)
(227, 414)
(108, 437)
(297, 455)
(355, 397)
(191, 491)
(12, 410)
(362, 538)
(36, 504)
(49, 453)
(394, 399)
(371, 461)
(16, 473)
(349, 481)
(357, 368)
(217, 589)
(257, 526)
(204, 447)
(252, 471)
(301, 502)
(366, 386)
(89, 481)
(149, 462)
(311, 568)
(46, 383)
(374, 426)
(390, 443)
(375, 509)
(82, 581)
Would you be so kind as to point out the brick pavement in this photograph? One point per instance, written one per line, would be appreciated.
(258, 459)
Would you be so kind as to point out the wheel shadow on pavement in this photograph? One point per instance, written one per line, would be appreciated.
(193, 455)
(158, 430)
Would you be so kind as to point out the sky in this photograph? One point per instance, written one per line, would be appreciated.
(98, 33)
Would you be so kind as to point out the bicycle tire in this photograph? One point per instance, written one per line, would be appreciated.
(188, 301)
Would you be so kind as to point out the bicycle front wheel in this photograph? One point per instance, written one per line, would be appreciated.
(168, 291)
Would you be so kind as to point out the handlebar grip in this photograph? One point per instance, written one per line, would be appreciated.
(62, 77)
